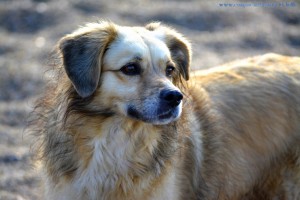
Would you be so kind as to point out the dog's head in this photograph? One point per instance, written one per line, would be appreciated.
(133, 71)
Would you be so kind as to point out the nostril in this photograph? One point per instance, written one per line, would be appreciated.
(172, 97)
(179, 96)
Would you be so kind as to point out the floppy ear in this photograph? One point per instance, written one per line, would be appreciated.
(82, 53)
(180, 47)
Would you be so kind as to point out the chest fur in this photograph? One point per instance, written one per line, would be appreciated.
(125, 165)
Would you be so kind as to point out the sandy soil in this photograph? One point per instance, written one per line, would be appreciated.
(29, 30)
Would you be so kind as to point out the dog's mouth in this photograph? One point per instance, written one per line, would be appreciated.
(166, 114)
(160, 116)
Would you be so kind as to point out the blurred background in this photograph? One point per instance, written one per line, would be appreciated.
(29, 29)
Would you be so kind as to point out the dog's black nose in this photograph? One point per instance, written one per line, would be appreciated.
(171, 97)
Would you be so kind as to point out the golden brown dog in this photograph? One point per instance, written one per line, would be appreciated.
(122, 121)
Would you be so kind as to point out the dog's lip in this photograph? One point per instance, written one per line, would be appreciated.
(161, 114)
(166, 114)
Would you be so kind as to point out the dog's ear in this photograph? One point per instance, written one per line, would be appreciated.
(82, 53)
(180, 47)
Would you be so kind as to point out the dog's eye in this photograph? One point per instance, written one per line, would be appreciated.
(169, 70)
(131, 69)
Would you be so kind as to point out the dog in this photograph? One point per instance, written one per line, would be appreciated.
(125, 118)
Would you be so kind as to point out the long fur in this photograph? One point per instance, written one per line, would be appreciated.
(237, 137)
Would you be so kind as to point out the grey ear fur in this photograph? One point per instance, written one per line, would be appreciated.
(180, 47)
(82, 54)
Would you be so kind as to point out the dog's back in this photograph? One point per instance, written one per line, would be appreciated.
(255, 151)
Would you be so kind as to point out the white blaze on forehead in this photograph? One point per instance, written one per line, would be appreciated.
(155, 41)
(127, 46)
(159, 51)
(134, 43)
(159, 34)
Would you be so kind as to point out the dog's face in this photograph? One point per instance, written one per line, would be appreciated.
(133, 71)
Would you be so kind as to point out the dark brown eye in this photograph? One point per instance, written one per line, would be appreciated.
(131, 69)
(169, 70)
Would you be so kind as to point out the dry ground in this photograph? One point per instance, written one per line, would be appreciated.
(30, 28)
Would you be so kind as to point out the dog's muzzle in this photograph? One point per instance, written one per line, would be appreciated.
(163, 109)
